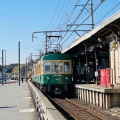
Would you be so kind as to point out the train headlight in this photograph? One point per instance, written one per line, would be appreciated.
(66, 78)
(48, 78)
(57, 78)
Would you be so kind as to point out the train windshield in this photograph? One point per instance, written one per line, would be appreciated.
(66, 66)
(57, 67)
(47, 66)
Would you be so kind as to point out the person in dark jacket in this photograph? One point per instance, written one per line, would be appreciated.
(22, 79)
(75, 74)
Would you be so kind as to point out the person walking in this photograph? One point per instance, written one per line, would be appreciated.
(22, 79)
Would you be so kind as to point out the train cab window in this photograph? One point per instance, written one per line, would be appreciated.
(47, 66)
(61, 67)
(57, 67)
(66, 66)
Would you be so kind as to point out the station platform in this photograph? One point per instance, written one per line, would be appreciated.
(100, 96)
(16, 102)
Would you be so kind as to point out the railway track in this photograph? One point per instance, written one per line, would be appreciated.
(74, 110)
(78, 112)
(88, 111)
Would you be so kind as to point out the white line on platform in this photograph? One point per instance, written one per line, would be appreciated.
(26, 110)
(26, 97)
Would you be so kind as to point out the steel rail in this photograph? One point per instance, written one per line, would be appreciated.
(88, 110)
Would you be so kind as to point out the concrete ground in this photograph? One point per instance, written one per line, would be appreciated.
(16, 102)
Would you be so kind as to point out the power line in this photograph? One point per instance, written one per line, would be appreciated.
(82, 22)
(32, 47)
(59, 14)
(54, 13)
(76, 19)
(108, 13)
(67, 19)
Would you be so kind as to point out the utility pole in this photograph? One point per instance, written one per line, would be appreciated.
(19, 61)
(91, 13)
(46, 44)
(31, 64)
(26, 71)
(5, 66)
(2, 68)
(31, 59)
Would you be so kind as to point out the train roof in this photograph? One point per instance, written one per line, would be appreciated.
(56, 56)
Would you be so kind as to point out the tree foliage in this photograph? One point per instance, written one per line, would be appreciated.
(13, 68)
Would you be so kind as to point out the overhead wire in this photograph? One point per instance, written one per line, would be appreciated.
(59, 13)
(64, 12)
(108, 13)
(82, 22)
(76, 19)
(73, 22)
(69, 15)
(54, 39)
(54, 14)
(33, 47)
(67, 18)
(58, 18)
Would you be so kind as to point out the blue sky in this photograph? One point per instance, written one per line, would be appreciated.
(20, 18)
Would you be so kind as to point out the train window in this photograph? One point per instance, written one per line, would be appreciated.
(57, 67)
(67, 66)
(61, 67)
(47, 66)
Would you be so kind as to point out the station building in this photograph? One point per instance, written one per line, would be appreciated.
(96, 58)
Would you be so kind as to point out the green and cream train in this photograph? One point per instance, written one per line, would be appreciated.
(53, 73)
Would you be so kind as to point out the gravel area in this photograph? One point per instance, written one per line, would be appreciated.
(110, 114)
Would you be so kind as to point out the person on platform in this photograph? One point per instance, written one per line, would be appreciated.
(22, 79)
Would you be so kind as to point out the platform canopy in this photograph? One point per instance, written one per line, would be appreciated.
(98, 38)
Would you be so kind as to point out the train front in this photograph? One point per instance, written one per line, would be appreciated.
(57, 73)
